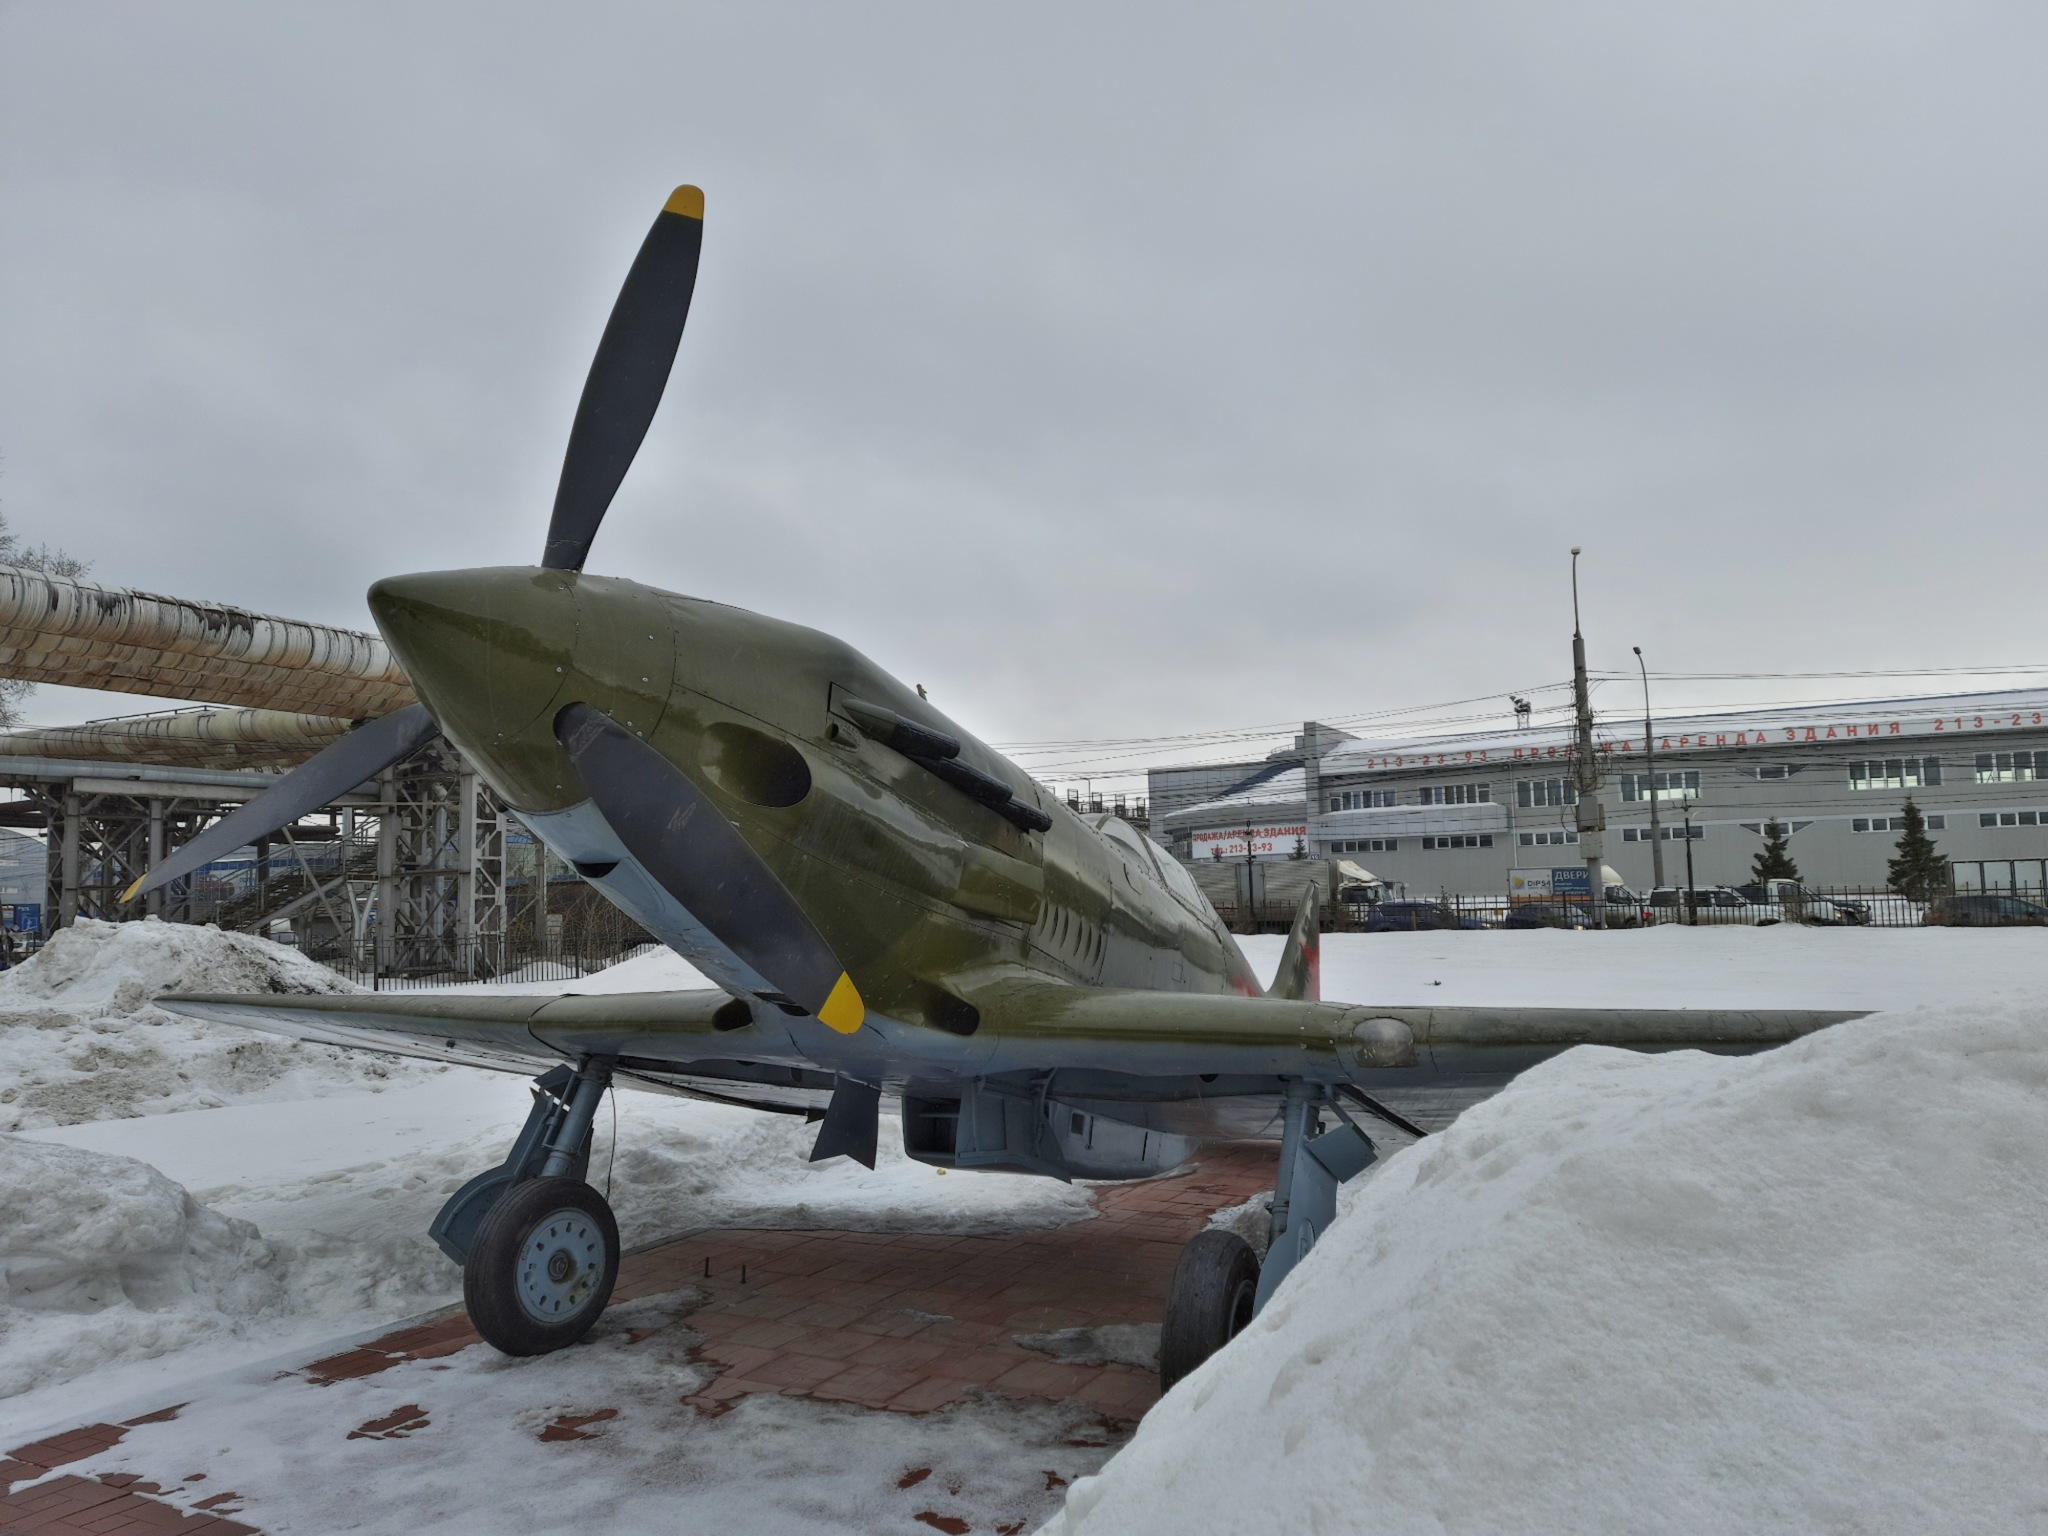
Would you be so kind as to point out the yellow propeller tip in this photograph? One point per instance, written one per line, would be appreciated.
(129, 894)
(688, 201)
(843, 1010)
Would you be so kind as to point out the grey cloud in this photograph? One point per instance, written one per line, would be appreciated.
(1108, 369)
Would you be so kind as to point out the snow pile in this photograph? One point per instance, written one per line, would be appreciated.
(1796, 1291)
(343, 1188)
(104, 1259)
(708, 1165)
(80, 1039)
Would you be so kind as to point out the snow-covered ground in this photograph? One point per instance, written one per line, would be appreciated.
(1680, 1292)
(288, 1201)
(1677, 967)
(455, 1446)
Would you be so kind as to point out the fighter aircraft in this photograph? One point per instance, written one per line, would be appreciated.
(886, 905)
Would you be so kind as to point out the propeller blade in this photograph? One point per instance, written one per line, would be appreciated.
(626, 377)
(321, 779)
(699, 857)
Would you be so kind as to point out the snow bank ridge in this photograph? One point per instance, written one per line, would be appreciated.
(81, 1038)
(117, 968)
(1794, 1291)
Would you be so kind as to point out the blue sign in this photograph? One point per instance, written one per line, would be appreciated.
(1571, 881)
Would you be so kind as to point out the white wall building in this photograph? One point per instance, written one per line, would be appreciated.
(1460, 813)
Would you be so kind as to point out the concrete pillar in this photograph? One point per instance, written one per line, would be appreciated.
(540, 894)
(465, 872)
(153, 903)
(387, 870)
(67, 896)
(1312, 779)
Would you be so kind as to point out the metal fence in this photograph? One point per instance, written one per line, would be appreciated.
(459, 963)
(1840, 906)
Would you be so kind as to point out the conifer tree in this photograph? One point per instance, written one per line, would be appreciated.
(1918, 872)
(1775, 862)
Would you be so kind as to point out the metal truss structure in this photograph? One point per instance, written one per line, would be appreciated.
(408, 881)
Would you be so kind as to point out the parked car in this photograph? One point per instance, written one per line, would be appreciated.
(1626, 908)
(1710, 904)
(1789, 901)
(1547, 914)
(1986, 911)
(1852, 910)
(1415, 917)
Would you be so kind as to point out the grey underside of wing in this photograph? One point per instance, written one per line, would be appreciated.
(499, 1031)
(1452, 1032)
(1472, 1053)
(1462, 1056)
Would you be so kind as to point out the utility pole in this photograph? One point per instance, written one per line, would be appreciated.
(1691, 905)
(1251, 902)
(1592, 822)
(1650, 773)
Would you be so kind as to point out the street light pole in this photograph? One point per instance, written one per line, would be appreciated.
(1650, 773)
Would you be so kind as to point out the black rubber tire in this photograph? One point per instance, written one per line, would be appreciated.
(542, 1222)
(1208, 1304)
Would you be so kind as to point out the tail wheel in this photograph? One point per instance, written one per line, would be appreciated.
(542, 1267)
(1214, 1286)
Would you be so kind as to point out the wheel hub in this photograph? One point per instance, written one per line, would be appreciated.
(559, 1267)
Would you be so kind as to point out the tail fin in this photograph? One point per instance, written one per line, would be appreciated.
(1300, 977)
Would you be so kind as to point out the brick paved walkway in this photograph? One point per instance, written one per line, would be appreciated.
(898, 1321)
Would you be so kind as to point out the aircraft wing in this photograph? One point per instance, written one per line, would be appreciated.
(1100, 1044)
(1167, 1033)
(1209, 1066)
(506, 1032)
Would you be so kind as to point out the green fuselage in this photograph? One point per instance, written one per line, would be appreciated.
(926, 895)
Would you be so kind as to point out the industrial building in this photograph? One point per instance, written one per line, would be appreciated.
(419, 872)
(1461, 814)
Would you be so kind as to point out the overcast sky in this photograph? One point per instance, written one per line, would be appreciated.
(1112, 370)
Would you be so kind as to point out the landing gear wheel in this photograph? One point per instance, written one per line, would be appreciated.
(542, 1267)
(1209, 1303)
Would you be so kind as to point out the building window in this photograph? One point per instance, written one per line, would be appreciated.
(1760, 828)
(2009, 767)
(1682, 785)
(1893, 823)
(1642, 834)
(1895, 773)
(1455, 794)
(1460, 840)
(2012, 818)
(1553, 839)
(1367, 845)
(1532, 793)
(1775, 770)
(1362, 800)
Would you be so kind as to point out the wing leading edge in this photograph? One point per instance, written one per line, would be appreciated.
(1032, 1029)
(500, 1031)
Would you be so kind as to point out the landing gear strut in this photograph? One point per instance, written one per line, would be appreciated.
(1219, 1285)
(538, 1247)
